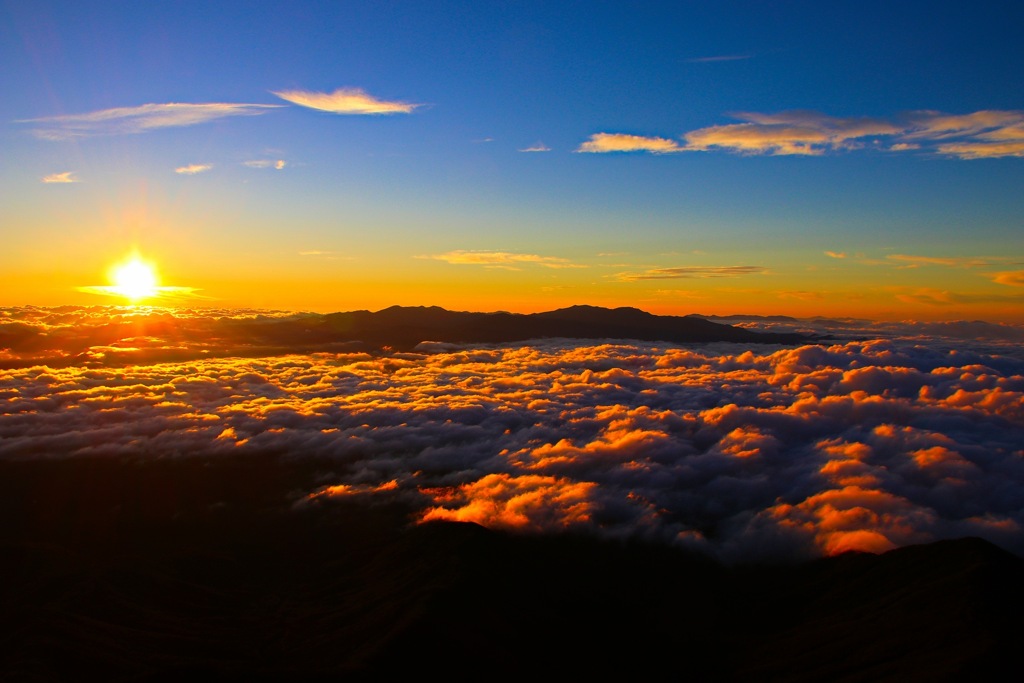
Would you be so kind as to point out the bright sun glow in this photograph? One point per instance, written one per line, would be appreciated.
(134, 279)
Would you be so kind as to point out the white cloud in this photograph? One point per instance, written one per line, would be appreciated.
(345, 101)
(538, 147)
(65, 177)
(277, 164)
(193, 169)
(146, 117)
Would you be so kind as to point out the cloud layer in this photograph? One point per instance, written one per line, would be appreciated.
(743, 453)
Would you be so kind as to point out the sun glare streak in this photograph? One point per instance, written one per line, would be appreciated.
(134, 279)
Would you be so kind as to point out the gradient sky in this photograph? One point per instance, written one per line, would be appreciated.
(803, 158)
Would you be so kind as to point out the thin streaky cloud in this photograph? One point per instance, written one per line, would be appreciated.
(345, 101)
(787, 133)
(504, 259)
(193, 169)
(326, 255)
(1014, 278)
(623, 142)
(276, 164)
(146, 117)
(935, 125)
(164, 294)
(983, 150)
(835, 254)
(65, 177)
(538, 147)
(692, 272)
(930, 296)
(912, 261)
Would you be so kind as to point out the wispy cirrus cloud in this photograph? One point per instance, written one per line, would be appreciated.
(146, 117)
(977, 135)
(933, 296)
(835, 254)
(912, 261)
(193, 169)
(345, 101)
(692, 272)
(65, 177)
(501, 259)
(1014, 278)
(622, 142)
(276, 164)
(794, 132)
(538, 147)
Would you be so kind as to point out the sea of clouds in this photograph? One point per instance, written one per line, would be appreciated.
(745, 452)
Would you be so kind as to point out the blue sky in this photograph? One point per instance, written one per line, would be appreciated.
(808, 143)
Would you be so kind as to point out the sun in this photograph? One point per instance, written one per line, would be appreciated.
(134, 279)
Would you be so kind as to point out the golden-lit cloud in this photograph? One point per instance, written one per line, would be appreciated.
(146, 117)
(276, 164)
(787, 133)
(981, 134)
(984, 150)
(912, 261)
(65, 177)
(986, 124)
(526, 502)
(799, 295)
(502, 259)
(537, 147)
(1013, 278)
(835, 254)
(622, 142)
(345, 101)
(932, 296)
(690, 272)
(927, 295)
(193, 169)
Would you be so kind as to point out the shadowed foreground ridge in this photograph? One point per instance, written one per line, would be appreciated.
(168, 571)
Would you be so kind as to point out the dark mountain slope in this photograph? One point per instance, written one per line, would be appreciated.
(202, 571)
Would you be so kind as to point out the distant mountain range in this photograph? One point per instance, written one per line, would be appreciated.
(87, 336)
(404, 327)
